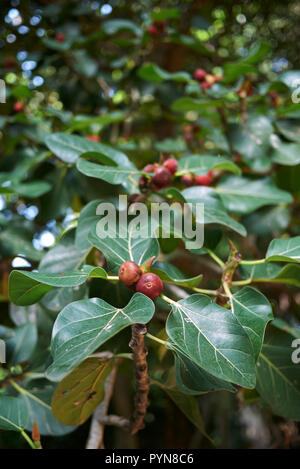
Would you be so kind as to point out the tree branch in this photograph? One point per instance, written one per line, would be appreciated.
(141, 377)
(96, 435)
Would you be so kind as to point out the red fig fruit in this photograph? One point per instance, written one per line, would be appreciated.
(129, 273)
(150, 285)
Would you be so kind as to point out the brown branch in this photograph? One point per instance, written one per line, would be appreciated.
(96, 435)
(141, 377)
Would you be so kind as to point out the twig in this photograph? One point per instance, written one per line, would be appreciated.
(115, 420)
(96, 435)
(141, 377)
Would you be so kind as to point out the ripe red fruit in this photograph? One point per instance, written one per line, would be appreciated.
(93, 138)
(204, 180)
(171, 164)
(205, 85)
(149, 168)
(129, 273)
(18, 106)
(199, 74)
(150, 285)
(187, 179)
(152, 30)
(60, 37)
(162, 177)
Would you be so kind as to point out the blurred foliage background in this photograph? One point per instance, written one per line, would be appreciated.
(65, 63)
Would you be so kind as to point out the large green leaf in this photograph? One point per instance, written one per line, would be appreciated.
(213, 338)
(253, 311)
(21, 345)
(284, 250)
(118, 250)
(13, 413)
(111, 174)
(79, 393)
(192, 379)
(278, 378)
(26, 288)
(83, 326)
(269, 272)
(244, 195)
(201, 164)
(69, 147)
(214, 210)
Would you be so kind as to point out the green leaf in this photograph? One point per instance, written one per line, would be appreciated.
(21, 345)
(278, 378)
(235, 70)
(286, 154)
(289, 128)
(253, 311)
(32, 189)
(152, 72)
(252, 138)
(86, 221)
(162, 14)
(284, 250)
(13, 413)
(120, 249)
(201, 164)
(37, 398)
(213, 338)
(26, 288)
(192, 379)
(257, 53)
(111, 174)
(214, 210)
(192, 104)
(170, 273)
(85, 325)
(116, 25)
(81, 122)
(186, 403)
(69, 147)
(79, 393)
(273, 273)
(64, 256)
(244, 195)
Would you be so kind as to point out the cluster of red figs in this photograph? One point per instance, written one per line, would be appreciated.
(206, 80)
(162, 174)
(195, 180)
(157, 28)
(133, 277)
